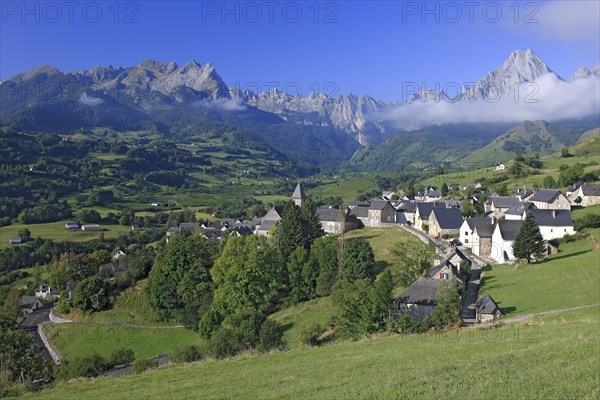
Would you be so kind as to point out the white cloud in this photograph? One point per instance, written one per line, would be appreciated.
(568, 21)
(548, 98)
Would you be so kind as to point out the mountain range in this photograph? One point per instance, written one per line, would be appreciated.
(161, 96)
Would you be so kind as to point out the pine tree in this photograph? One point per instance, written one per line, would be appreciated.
(299, 289)
(529, 242)
(358, 260)
(311, 224)
(290, 233)
(444, 189)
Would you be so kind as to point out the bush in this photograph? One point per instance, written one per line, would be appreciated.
(408, 324)
(270, 335)
(589, 221)
(209, 322)
(309, 333)
(87, 367)
(121, 357)
(225, 342)
(185, 354)
(143, 365)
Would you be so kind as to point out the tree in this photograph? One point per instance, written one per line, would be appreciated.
(324, 255)
(247, 274)
(578, 200)
(358, 260)
(89, 216)
(412, 262)
(570, 175)
(529, 242)
(518, 157)
(180, 276)
(299, 289)
(382, 301)
(467, 209)
(444, 189)
(91, 294)
(564, 153)
(445, 312)
(311, 223)
(18, 362)
(24, 234)
(548, 182)
(290, 233)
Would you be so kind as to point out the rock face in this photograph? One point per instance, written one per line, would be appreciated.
(520, 67)
(153, 84)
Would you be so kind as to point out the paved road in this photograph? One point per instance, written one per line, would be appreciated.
(520, 318)
(30, 325)
(467, 311)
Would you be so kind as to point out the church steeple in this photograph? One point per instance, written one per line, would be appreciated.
(298, 196)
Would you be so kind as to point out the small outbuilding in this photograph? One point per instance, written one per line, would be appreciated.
(486, 309)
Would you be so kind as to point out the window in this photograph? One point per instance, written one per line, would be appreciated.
(467, 240)
(444, 276)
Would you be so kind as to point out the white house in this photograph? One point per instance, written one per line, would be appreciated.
(502, 240)
(90, 227)
(476, 234)
(500, 167)
(554, 224)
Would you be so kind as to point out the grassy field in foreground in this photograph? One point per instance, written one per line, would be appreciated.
(569, 278)
(551, 357)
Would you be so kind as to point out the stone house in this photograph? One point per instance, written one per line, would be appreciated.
(444, 221)
(589, 194)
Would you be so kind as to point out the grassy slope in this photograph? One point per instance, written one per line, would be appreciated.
(549, 138)
(550, 357)
(586, 152)
(347, 189)
(80, 339)
(569, 278)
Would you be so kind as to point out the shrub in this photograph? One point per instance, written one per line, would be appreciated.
(121, 357)
(309, 333)
(225, 342)
(408, 324)
(143, 365)
(88, 367)
(185, 354)
(270, 335)
(589, 221)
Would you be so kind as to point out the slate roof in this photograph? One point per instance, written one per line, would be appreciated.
(552, 217)
(298, 192)
(425, 209)
(409, 197)
(360, 212)
(189, 226)
(519, 209)
(272, 215)
(266, 225)
(115, 269)
(433, 193)
(448, 218)
(483, 226)
(328, 214)
(508, 228)
(590, 190)
(505, 201)
(422, 291)
(487, 305)
(546, 195)
(378, 204)
(408, 207)
(359, 203)
(30, 301)
(244, 230)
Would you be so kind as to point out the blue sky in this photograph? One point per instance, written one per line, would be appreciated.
(364, 48)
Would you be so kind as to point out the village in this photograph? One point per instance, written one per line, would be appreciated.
(464, 245)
